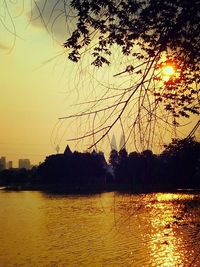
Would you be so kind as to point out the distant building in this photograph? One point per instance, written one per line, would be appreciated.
(10, 164)
(122, 143)
(2, 163)
(113, 144)
(67, 150)
(24, 164)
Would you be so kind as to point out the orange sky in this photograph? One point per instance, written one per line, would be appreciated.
(38, 85)
(32, 91)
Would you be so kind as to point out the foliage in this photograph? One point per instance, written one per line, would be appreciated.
(114, 157)
(153, 25)
(150, 35)
(75, 169)
(182, 159)
(153, 34)
(177, 167)
(188, 145)
(16, 176)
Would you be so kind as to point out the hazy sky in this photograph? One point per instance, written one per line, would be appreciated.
(33, 87)
(38, 84)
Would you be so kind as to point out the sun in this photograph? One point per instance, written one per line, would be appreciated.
(168, 71)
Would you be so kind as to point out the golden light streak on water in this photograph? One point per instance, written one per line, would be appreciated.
(166, 243)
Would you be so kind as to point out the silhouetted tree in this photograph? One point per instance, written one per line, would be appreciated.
(123, 155)
(74, 170)
(16, 177)
(151, 35)
(154, 34)
(114, 158)
(121, 173)
(134, 168)
(182, 162)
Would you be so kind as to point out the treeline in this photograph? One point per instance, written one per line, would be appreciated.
(18, 177)
(178, 166)
(73, 172)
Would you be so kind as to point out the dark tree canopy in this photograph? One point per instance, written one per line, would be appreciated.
(144, 30)
(155, 26)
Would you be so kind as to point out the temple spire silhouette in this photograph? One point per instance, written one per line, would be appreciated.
(67, 150)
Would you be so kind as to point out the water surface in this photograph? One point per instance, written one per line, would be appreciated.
(39, 229)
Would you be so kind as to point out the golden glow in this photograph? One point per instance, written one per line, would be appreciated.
(39, 87)
(167, 72)
(166, 249)
(171, 197)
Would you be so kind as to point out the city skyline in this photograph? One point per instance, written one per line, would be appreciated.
(21, 163)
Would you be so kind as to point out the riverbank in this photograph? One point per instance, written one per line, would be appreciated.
(76, 190)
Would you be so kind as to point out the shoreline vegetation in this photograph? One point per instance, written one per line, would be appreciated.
(54, 189)
(177, 168)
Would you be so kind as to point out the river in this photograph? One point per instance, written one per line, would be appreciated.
(109, 229)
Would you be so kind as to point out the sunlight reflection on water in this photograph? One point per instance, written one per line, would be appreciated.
(165, 244)
(110, 229)
(167, 241)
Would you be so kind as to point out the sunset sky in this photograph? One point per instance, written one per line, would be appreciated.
(33, 90)
(38, 84)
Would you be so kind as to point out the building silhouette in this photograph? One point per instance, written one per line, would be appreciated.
(67, 150)
(24, 164)
(2, 163)
(10, 164)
